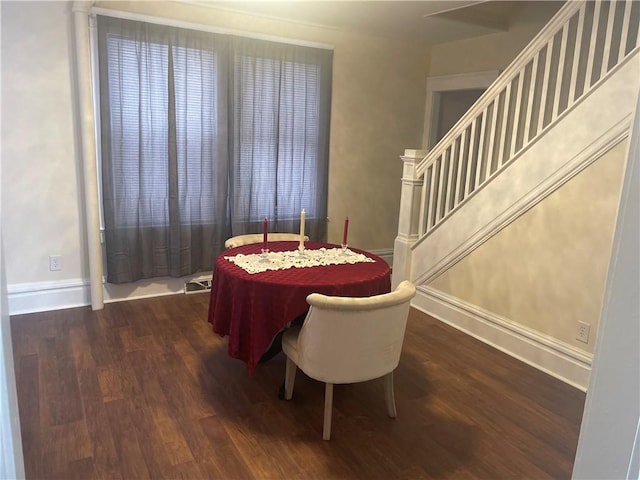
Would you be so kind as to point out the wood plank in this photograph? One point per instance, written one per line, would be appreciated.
(127, 444)
(59, 382)
(164, 400)
(28, 393)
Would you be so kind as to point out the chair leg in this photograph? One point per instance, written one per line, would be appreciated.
(388, 394)
(328, 405)
(289, 378)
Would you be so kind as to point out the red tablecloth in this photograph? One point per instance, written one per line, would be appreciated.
(252, 308)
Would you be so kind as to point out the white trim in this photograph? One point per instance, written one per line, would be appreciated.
(156, 287)
(44, 296)
(545, 353)
(56, 295)
(206, 28)
(447, 83)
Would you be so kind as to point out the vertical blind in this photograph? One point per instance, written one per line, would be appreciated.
(204, 135)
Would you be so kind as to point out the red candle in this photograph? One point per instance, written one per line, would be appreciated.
(265, 227)
(346, 228)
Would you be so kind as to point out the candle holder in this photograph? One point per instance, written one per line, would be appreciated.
(345, 249)
(264, 255)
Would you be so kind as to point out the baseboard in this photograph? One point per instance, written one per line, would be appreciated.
(43, 296)
(46, 296)
(545, 353)
(156, 287)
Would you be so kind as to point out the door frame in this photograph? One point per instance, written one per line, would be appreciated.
(446, 83)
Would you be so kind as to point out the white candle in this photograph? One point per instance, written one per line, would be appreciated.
(301, 244)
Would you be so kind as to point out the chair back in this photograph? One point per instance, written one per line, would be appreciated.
(348, 340)
(240, 240)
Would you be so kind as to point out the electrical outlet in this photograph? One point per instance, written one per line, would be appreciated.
(582, 332)
(55, 263)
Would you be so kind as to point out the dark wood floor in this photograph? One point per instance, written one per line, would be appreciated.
(144, 389)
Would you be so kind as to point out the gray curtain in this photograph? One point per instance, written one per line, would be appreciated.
(204, 135)
(279, 142)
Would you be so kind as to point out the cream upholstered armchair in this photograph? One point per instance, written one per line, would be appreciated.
(257, 238)
(349, 340)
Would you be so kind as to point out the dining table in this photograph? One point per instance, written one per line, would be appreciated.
(257, 291)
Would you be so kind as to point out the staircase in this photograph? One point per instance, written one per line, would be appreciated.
(564, 101)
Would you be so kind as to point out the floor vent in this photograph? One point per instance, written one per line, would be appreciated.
(197, 286)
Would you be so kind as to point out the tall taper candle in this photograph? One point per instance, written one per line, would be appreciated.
(344, 232)
(302, 217)
(265, 227)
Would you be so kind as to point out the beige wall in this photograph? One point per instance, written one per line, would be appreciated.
(495, 51)
(40, 168)
(377, 111)
(547, 270)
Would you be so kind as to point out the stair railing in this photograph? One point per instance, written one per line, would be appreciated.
(581, 44)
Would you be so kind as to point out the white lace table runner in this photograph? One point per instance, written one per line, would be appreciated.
(261, 262)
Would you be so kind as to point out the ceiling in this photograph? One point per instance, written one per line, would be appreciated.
(431, 21)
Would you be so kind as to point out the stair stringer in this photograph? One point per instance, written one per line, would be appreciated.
(578, 138)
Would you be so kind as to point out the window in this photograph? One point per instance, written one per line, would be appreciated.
(204, 135)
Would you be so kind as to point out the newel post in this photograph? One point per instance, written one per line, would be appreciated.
(408, 218)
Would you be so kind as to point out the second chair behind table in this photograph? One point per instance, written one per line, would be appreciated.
(349, 340)
(240, 240)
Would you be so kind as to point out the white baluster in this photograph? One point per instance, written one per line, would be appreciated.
(625, 30)
(516, 115)
(461, 160)
(637, 40)
(576, 56)
(470, 157)
(441, 193)
(505, 130)
(563, 53)
(607, 40)
(423, 222)
(492, 135)
(592, 47)
(481, 147)
(432, 197)
(545, 84)
(532, 90)
(452, 156)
